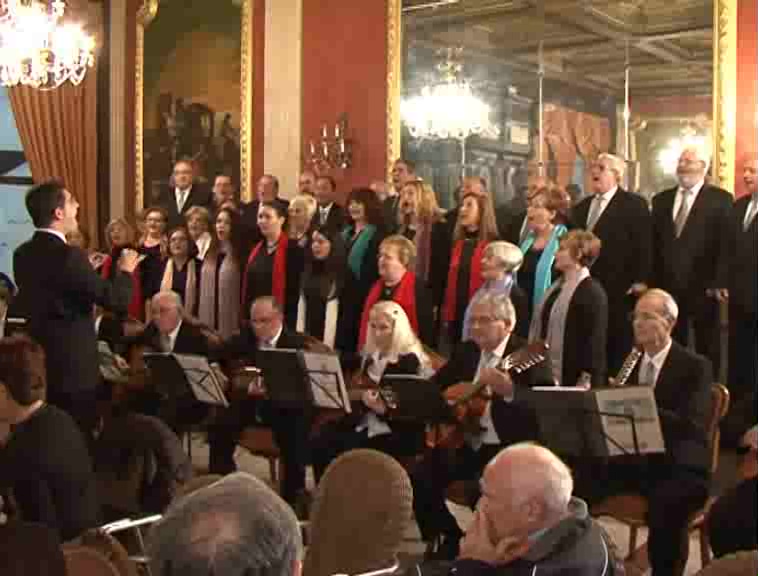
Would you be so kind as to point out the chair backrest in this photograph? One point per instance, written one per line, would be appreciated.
(111, 548)
(84, 561)
(743, 563)
(362, 506)
(719, 408)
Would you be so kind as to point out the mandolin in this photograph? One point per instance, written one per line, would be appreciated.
(468, 400)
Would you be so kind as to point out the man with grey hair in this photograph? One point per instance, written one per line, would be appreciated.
(527, 521)
(237, 526)
(491, 321)
(690, 225)
(675, 483)
(622, 222)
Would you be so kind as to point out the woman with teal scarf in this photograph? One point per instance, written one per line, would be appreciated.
(362, 237)
(547, 214)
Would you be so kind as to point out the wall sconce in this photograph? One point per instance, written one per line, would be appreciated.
(334, 152)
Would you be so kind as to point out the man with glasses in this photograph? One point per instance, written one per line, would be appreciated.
(491, 320)
(184, 194)
(676, 482)
(290, 424)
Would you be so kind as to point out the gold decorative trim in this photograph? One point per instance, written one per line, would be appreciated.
(145, 15)
(246, 101)
(724, 92)
(394, 81)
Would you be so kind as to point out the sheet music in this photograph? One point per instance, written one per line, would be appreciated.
(327, 382)
(202, 379)
(636, 401)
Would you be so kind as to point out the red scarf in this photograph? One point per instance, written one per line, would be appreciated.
(404, 295)
(137, 302)
(279, 275)
(475, 279)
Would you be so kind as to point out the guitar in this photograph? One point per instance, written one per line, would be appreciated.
(468, 400)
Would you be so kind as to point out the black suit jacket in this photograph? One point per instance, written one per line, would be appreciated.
(189, 340)
(389, 211)
(243, 346)
(509, 224)
(200, 195)
(57, 290)
(586, 332)
(738, 266)
(335, 220)
(683, 397)
(513, 421)
(625, 229)
(688, 265)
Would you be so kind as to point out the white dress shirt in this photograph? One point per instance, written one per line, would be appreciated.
(168, 341)
(271, 344)
(656, 361)
(181, 197)
(489, 434)
(750, 213)
(323, 212)
(60, 235)
(694, 191)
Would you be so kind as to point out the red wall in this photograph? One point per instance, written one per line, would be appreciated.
(747, 86)
(345, 71)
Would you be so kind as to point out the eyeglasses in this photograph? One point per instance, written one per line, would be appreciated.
(474, 320)
(263, 320)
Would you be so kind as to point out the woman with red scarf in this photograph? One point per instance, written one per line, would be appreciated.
(118, 236)
(397, 283)
(274, 265)
(474, 229)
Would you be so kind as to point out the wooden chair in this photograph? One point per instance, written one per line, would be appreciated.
(631, 509)
(84, 561)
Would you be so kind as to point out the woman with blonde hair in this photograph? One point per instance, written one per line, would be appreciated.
(199, 224)
(422, 221)
(474, 229)
(300, 212)
(119, 235)
(391, 348)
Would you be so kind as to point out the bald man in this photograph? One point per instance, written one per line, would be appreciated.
(527, 521)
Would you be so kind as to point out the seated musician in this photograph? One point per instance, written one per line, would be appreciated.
(398, 282)
(528, 522)
(170, 331)
(676, 483)
(491, 319)
(290, 425)
(391, 348)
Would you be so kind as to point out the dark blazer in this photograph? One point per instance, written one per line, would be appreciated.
(57, 291)
(243, 346)
(335, 220)
(625, 229)
(688, 265)
(189, 340)
(389, 211)
(683, 396)
(200, 195)
(513, 421)
(584, 340)
(738, 266)
(442, 242)
(509, 224)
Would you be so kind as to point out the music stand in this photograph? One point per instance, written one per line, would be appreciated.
(411, 397)
(283, 376)
(179, 375)
(327, 384)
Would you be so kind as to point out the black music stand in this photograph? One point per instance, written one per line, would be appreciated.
(323, 373)
(177, 376)
(283, 376)
(413, 398)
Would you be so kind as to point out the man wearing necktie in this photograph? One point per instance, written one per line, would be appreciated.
(185, 194)
(622, 222)
(329, 213)
(676, 482)
(737, 286)
(689, 228)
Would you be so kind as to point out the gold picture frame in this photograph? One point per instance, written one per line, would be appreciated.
(146, 13)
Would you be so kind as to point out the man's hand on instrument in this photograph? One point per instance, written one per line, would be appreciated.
(374, 402)
(120, 363)
(129, 260)
(499, 382)
(477, 544)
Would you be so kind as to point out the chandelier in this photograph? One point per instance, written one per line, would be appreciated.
(449, 109)
(37, 49)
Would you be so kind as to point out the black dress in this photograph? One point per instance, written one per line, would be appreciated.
(151, 270)
(526, 276)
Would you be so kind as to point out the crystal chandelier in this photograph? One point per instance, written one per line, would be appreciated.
(37, 49)
(449, 109)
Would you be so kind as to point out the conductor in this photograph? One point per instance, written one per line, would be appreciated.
(57, 288)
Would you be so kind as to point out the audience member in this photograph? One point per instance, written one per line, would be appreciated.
(235, 527)
(46, 462)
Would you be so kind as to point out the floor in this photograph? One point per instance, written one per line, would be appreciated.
(413, 547)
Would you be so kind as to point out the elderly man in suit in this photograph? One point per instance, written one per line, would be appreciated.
(492, 319)
(689, 227)
(328, 213)
(185, 194)
(676, 482)
(737, 284)
(291, 424)
(622, 222)
(57, 289)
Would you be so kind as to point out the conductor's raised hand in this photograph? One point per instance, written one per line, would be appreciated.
(129, 260)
